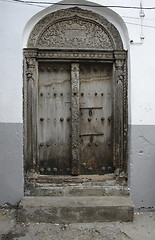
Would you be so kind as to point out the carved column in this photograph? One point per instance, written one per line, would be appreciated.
(30, 82)
(75, 116)
(120, 108)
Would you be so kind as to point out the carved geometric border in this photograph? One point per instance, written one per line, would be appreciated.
(61, 15)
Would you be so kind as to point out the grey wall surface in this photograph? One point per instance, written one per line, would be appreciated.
(142, 165)
(11, 163)
(141, 162)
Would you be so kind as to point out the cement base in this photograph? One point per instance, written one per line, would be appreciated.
(75, 209)
(141, 228)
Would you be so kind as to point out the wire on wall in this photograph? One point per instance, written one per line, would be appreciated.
(78, 4)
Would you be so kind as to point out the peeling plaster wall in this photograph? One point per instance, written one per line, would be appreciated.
(15, 27)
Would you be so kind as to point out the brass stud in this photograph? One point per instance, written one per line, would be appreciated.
(74, 146)
(109, 143)
(55, 169)
(96, 144)
(84, 164)
(47, 144)
(109, 168)
(89, 143)
(49, 69)
(103, 169)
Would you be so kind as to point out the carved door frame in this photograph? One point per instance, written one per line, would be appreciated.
(117, 56)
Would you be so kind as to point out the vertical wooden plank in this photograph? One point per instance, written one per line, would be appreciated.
(120, 109)
(75, 117)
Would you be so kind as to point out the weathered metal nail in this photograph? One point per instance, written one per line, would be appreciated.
(41, 169)
(48, 169)
(41, 144)
(68, 119)
(89, 119)
(90, 168)
(68, 169)
(41, 119)
(96, 144)
(102, 94)
(109, 143)
(55, 169)
(109, 119)
(96, 94)
(55, 94)
(103, 168)
(89, 143)
(49, 69)
(84, 164)
(102, 118)
(41, 94)
(61, 119)
(47, 144)
(82, 94)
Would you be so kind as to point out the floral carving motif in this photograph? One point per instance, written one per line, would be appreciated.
(75, 33)
(57, 31)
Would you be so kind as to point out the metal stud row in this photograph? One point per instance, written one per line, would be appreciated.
(82, 94)
(49, 169)
(102, 168)
(61, 119)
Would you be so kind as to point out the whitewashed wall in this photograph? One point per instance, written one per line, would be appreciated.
(15, 25)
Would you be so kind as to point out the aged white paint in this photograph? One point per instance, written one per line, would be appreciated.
(16, 22)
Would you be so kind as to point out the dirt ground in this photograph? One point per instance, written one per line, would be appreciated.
(142, 228)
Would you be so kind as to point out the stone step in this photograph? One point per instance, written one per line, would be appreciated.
(75, 209)
(77, 190)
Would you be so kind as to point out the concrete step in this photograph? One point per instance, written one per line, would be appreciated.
(77, 190)
(76, 209)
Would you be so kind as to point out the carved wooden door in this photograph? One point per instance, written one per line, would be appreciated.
(54, 118)
(54, 123)
(95, 118)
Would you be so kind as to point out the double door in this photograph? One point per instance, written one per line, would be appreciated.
(55, 122)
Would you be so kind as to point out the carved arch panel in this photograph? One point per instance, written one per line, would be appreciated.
(75, 28)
